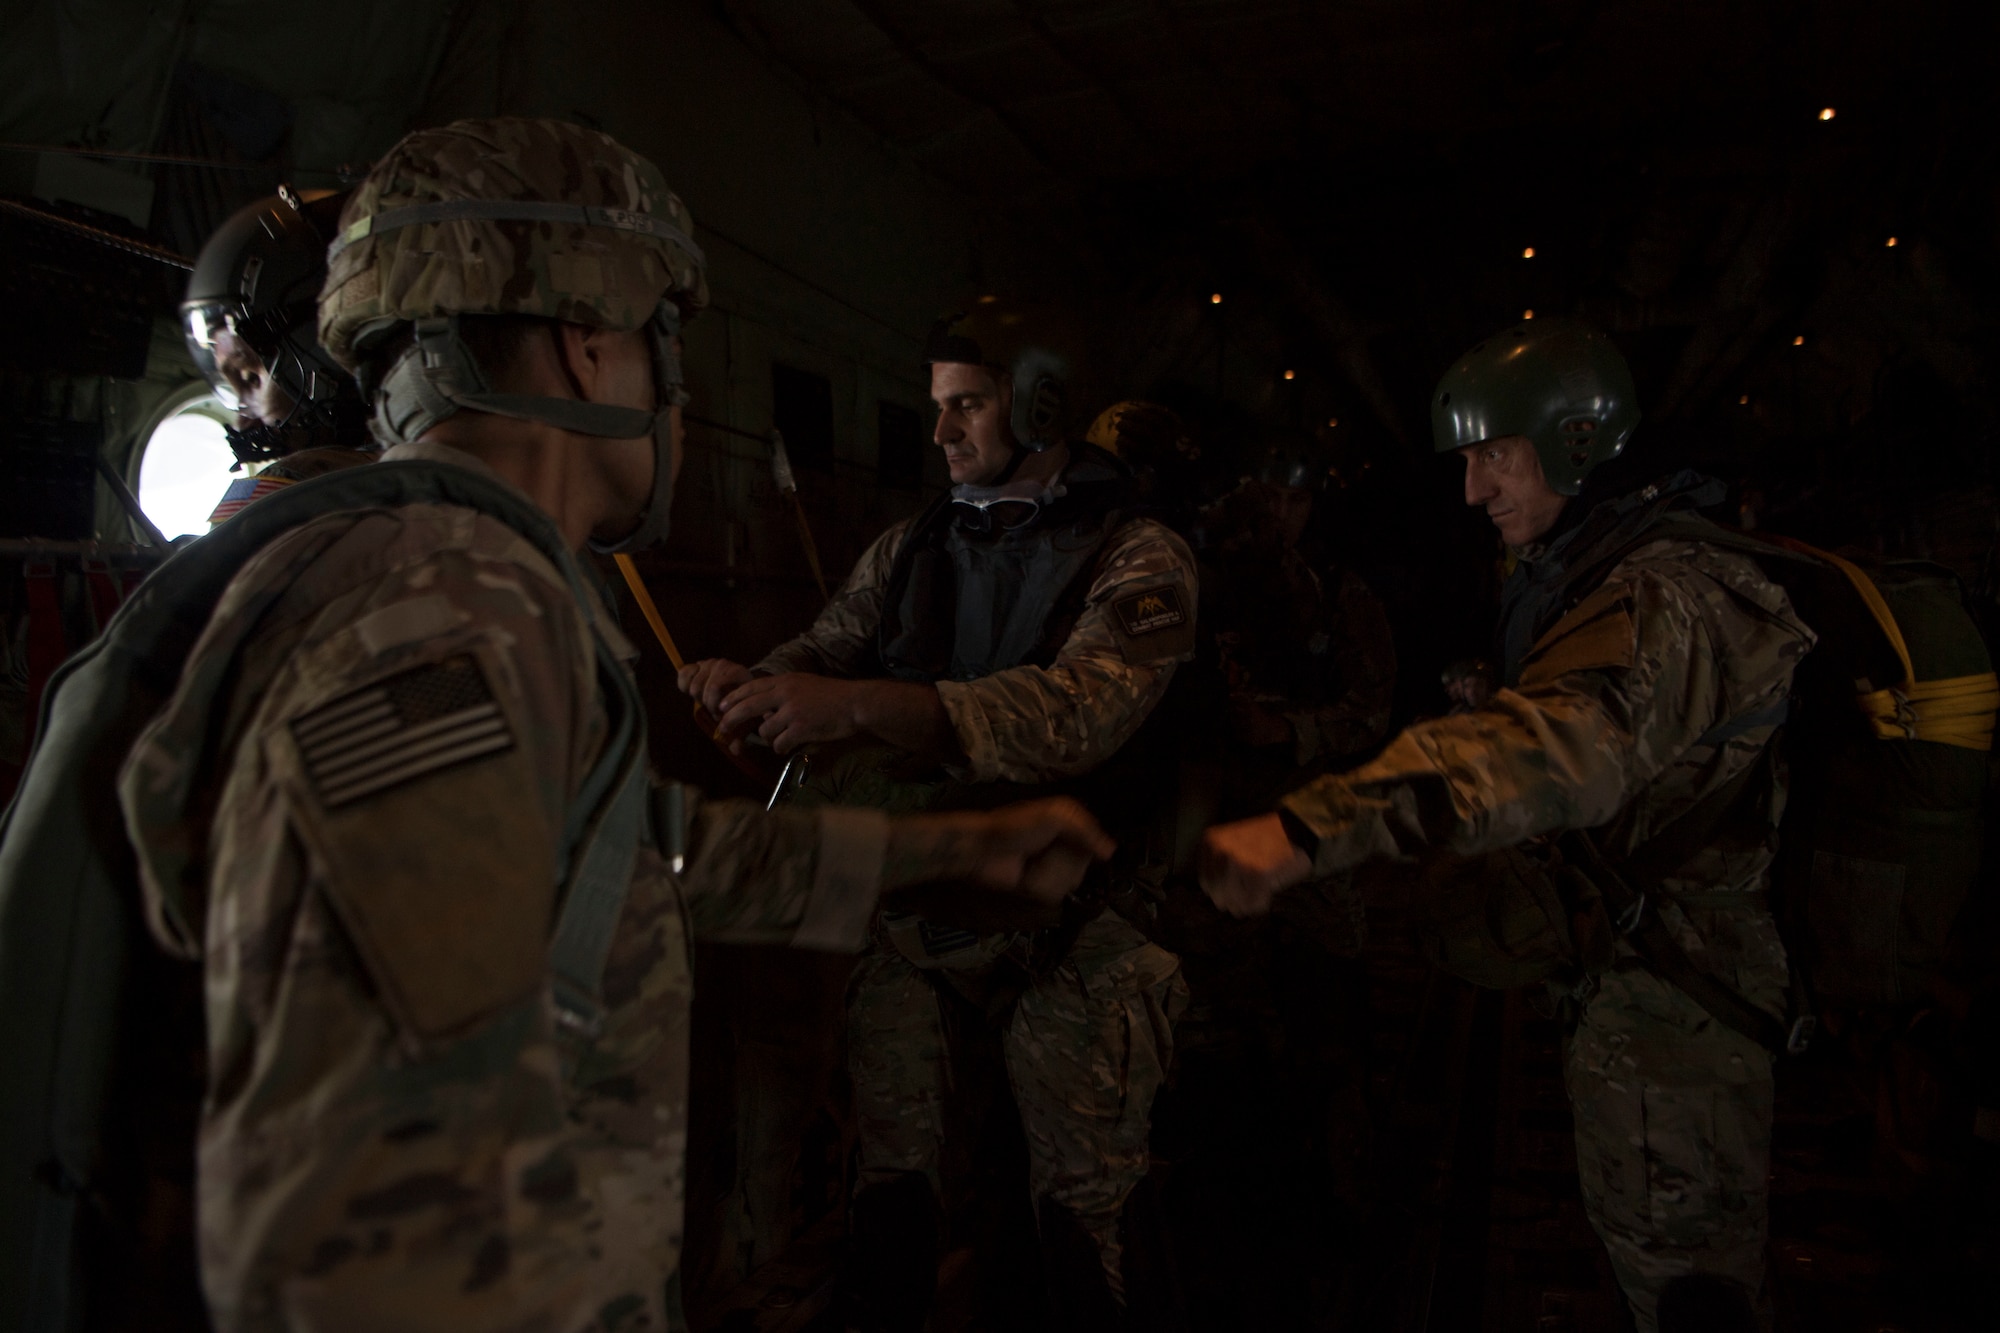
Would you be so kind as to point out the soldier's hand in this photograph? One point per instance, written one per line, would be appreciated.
(791, 709)
(1245, 864)
(708, 680)
(1036, 852)
(1040, 849)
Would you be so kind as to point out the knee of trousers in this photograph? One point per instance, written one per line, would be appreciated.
(1673, 1132)
(898, 1063)
(1086, 1056)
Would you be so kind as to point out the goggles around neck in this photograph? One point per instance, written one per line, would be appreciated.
(1008, 507)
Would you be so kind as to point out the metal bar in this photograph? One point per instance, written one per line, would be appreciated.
(167, 159)
(102, 237)
(129, 502)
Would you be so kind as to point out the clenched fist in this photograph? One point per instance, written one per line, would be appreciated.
(1245, 864)
(961, 865)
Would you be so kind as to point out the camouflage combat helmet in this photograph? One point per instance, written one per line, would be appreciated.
(511, 216)
(1558, 382)
(1025, 345)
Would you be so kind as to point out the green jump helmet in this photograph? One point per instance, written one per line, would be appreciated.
(1559, 382)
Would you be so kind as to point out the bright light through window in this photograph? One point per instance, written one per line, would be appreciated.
(185, 469)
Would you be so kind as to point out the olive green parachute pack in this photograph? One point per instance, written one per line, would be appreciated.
(1887, 743)
(100, 1057)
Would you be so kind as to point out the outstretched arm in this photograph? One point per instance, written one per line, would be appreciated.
(1624, 687)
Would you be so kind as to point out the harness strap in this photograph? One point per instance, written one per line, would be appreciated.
(1634, 910)
(1958, 710)
(1640, 922)
(605, 824)
(594, 900)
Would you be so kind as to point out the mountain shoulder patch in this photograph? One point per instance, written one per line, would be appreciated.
(1153, 623)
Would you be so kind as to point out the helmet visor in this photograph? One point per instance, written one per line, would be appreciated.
(241, 375)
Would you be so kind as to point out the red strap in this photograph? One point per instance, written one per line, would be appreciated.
(104, 592)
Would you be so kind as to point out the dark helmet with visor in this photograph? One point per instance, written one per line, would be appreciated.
(1559, 382)
(250, 318)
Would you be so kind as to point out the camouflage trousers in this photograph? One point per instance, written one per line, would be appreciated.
(1086, 1048)
(1673, 1138)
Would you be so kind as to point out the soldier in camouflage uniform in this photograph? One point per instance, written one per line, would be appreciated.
(1626, 707)
(1018, 631)
(354, 811)
(1304, 648)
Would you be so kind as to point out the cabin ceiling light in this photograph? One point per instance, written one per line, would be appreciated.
(1528, 253)
(1826, 113)
(1288, 375)
(1527, 314)
(1216, 299)
(1799, 341)
(1891, 242)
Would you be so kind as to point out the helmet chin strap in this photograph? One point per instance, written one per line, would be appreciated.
(439, 377)
(664, 328)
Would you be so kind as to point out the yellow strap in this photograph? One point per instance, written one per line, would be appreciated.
(650, 611)
(1955, 711)
(1878, 608)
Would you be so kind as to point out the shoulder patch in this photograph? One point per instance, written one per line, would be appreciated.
(419, 797)
(1151, 611)
(429, 718)
(1153, 624)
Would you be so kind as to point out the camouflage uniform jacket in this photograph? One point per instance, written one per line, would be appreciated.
(1605, 731)
(394, 1134)
(1029, 723)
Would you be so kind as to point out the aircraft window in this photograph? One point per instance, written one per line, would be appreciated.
(185, 468)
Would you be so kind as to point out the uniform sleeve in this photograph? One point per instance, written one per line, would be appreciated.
(842, 640)
(1038, 724)
(386, 1142)
(1361, 661)
(807, 878)
(1621, 688)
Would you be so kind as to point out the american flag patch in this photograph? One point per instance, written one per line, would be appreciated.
(408, 725)
(241, 492)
